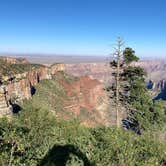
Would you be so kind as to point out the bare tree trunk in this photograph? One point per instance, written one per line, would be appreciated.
(118, 56)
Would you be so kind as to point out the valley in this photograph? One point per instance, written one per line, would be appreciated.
(155, 69)
(67, 106)
(82, 84)
(68, 96)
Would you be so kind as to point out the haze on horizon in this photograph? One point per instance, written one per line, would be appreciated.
(82, 27)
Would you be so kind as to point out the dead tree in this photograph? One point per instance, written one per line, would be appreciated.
(117, 64)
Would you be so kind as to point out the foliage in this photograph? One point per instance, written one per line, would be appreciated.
(29, 137)
(125, 148)
(35, 135)
(132, 73)
(129, 56)
(55, 96)
(8, 69)
(65, 76)
(143, 113)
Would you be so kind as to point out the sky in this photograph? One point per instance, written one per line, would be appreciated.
(82, 27)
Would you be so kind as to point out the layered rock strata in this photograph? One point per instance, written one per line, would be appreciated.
(22, 86)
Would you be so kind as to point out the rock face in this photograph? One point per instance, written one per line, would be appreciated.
(157, 85)
(161, 85)
(151, 85)
(157, 89)
(57, 67)
(156, 70)
(86, 98)
(99, 71)
(21, 86)
(84, 93)
(5, 108)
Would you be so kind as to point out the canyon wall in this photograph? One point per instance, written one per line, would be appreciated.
(5, 108)
(157, 85)
(156, 70)
(87, 98)
(99, 71)
(157, 89)
(22, 86)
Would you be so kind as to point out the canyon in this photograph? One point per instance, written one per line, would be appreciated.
(88, 100)
(83, 85)
(84, 95)
(21, 86)
(155, 69)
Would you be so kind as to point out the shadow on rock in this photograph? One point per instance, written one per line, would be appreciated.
(16, 108)
(161, 96)
(33, 90)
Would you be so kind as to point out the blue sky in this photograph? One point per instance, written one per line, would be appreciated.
(82, 26)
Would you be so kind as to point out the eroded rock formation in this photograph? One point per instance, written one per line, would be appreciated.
(5, 108)
(22, 86)
(85, 99)
(99, 71)
(156, 70)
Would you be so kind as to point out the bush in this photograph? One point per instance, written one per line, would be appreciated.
(8, 69)
(34, 135)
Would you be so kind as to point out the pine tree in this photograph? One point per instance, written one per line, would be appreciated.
(130, 91)
(122, 58)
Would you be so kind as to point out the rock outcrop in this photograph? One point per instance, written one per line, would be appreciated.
(99, 71)
(157, 89)
(22, 86)
(82, 98)
(86, 97)
(156, 85)
(84, 93)
(5, 108)
(57, 67)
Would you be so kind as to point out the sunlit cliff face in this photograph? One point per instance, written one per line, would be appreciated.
(22, 85)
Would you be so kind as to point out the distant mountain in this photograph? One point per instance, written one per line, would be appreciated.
(59, 58)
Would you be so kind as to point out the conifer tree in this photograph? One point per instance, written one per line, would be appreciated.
(130, 91)
(122, 58)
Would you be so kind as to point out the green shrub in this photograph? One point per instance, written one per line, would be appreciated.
(8, 69)
(28, 137)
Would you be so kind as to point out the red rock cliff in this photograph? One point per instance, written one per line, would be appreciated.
(23, 83)
(87, 96)
(21, 86)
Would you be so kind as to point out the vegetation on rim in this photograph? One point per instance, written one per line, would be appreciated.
(37, 138)
(8, 69)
